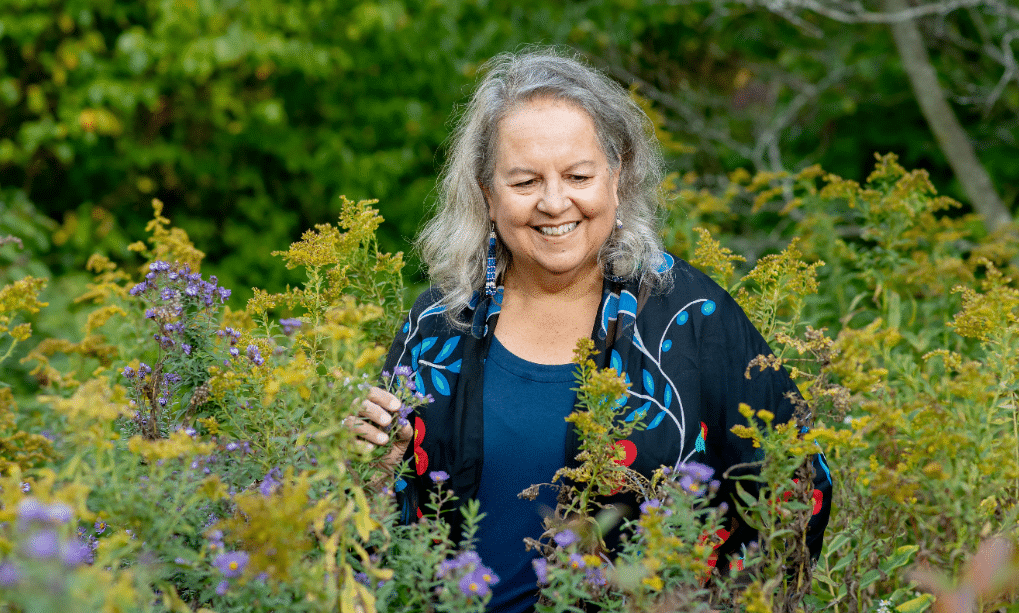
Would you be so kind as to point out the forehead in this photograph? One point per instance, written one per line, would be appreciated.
(547, 127)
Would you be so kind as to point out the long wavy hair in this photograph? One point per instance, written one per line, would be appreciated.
(454, 243)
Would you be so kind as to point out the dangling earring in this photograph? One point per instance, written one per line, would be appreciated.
(490, 268)
(619, 223)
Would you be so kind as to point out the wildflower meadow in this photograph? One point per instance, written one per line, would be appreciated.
(180, 455)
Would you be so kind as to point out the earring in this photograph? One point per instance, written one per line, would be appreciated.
(619, 223)
(490, 268)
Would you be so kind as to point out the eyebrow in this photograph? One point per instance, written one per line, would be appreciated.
(519, 170)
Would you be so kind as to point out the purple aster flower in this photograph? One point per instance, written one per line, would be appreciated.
(43, 544)
(150, 313)
(565, 538)
(697, 471)
(234, 352)
(128, 372)
(541, 570)
(647, 505)
(144, 369)
(691, 485)
(9, 574)
(222, 587)
(231, 564)
(100, 526)
(191, 290)
(269, 483)
(232, 446)
(26, 487)
(404, 411)
(290, 325)
(595, 576)
(254, 355)
(186, 348)
(438, 476)
(137, 289)
(577, 560)
(472, 584)
(403, 371)
(224, 293)
(167, 294)
(59, 513)
(75, 554)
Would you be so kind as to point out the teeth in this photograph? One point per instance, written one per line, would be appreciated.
(557, 230)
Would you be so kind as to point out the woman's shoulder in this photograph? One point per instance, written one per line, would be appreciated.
(690, 283)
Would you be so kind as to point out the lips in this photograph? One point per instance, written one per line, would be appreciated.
(557, 230)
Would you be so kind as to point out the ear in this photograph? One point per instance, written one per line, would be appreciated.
(488, 200)
(615, 185)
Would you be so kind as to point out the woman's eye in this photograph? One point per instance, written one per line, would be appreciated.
(526, 183)
(579, 178)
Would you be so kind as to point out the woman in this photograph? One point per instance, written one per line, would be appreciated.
(545, 232)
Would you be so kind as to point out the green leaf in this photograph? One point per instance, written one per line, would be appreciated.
(899, 559)
(870, 577)
(916, 605)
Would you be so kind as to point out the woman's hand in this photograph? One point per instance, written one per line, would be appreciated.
(374, 425)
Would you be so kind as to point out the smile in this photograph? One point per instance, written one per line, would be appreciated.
(557, 230)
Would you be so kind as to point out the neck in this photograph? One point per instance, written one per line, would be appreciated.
(566, 287)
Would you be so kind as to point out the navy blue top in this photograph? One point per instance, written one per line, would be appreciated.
(524, 444)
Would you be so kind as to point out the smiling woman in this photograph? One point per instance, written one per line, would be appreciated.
(545, 233)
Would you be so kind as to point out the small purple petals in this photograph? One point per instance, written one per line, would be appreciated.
(150, 313)
(9, 574)
(43, 544)
(565, 538)
(254, 355)
(438, 476)
(234, 352)
(403, 371)
(186, 348)
(137, 289)
(231, 564)
(541, 570)
(222, 587)
(128, 372)
(290, 325)
(100, 526)
(577, 561)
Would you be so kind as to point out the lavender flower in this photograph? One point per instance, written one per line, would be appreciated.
(290, 325)
(565, 538)
(137, 289)
(222, 587)
(577, 560)
(541, 570)
(231, 564)
(128, 372)
(186, 348)
(100, 526)
(254, 355)
(9, 574)
(438, 476)
(43, 544)
(75, 554)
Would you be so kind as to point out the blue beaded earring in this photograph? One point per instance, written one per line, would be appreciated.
(490, 268)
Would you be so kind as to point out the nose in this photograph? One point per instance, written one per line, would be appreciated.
(555, 199)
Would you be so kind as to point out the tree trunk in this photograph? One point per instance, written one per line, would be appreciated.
(952, 139)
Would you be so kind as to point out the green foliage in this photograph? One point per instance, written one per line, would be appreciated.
(196, 454)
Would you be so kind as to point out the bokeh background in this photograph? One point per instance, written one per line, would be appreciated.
(249, 118)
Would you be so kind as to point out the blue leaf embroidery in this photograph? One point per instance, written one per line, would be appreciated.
(427, 343)
(657, 420)
(667, 396)
(441, 384)
(649, 383)
(454, 367)
(639, 413)
(447, 349)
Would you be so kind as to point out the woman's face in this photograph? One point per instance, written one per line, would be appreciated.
(553, 196)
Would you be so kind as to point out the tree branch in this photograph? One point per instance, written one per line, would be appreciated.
(941, 119)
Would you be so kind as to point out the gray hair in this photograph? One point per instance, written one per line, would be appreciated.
(454, 243)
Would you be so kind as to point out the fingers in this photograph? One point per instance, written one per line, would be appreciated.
(375, 417)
